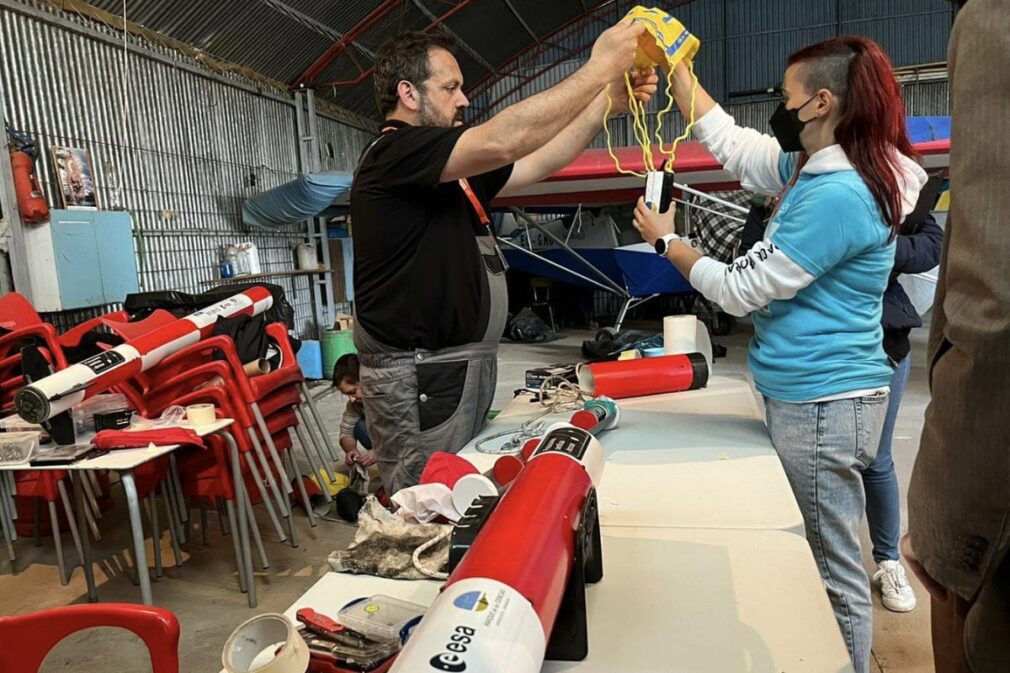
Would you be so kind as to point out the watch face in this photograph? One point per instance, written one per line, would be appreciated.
(660, 246)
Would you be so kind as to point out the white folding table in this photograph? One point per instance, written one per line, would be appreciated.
(676, 600)
(696, 459)
(123, 461)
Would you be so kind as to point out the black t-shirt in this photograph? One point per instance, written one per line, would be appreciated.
(419, 279)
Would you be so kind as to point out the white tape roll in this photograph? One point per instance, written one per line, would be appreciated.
(254, 647)
(686, 334)
(200, 414)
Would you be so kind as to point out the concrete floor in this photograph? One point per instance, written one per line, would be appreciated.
(204, 594)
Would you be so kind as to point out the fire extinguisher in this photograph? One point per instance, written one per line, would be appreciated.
(31, 202)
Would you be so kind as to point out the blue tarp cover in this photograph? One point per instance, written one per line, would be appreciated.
(298, 200)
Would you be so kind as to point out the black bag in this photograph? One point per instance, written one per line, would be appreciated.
(527, 327)
(180, 304)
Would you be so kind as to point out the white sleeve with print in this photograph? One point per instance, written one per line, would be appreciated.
(750, 282)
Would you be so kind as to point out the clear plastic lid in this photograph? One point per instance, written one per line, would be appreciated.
(381, 618)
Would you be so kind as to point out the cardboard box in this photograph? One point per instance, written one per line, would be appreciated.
(343, 321)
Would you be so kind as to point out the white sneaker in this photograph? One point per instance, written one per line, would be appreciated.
(895, 592)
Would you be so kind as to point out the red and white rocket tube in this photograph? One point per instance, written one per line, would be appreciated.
(61, 390)
(497, 609)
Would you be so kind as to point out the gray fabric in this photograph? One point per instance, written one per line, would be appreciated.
(384, 546)
(394, 400)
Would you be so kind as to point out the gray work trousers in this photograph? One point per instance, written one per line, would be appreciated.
(420, 402)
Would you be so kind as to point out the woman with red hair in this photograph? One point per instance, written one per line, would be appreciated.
(845, 174)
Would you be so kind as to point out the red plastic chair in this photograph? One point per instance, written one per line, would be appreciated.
(17, 312)
(29, 638)
(117, 322)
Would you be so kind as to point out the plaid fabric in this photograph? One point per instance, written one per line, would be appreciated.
(716, 235)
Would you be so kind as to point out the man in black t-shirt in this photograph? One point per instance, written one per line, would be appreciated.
(429, 277)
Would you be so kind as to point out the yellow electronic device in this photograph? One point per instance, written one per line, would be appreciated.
(664, 44)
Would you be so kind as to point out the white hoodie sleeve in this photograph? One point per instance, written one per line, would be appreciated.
(752, 157)
(750, 282)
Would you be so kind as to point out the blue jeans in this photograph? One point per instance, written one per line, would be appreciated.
(361, 434)
(883, 504)
(824, 447)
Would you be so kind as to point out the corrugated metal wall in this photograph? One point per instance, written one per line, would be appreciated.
(180, 156)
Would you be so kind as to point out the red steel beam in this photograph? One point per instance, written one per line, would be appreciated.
(343, 43)
(368, 73)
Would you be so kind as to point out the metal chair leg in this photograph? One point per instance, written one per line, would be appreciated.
(93, 490)
(172, 501)
(71, 520)
(313, 459)
(151, 504)
(319, 420)
(222, 516)
(173, 524)
(255, 530)
(308, 442)
(54, 520)
(301, 490)
(37, 522)
(203, 521)
(239, 563)
(261, 487)
(8, 529)
(91, 509)
(274, 453)
(281, 494)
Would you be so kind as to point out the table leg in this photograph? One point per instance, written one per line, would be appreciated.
(139, 553)
(89, 571)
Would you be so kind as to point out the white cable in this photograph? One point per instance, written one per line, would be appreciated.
(416, 557)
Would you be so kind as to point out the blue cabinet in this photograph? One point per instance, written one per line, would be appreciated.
(82, 259)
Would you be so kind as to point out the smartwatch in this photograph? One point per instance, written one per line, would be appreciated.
(663, 243)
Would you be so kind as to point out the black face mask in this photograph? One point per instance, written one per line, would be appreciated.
(787, 126)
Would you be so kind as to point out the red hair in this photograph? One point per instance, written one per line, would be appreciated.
(872, 129)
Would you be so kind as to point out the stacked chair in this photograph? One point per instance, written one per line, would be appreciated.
(269, 412)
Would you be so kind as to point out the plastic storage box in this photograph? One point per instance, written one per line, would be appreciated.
(17, 447)
(381, 618)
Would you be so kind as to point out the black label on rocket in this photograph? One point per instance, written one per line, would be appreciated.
(573, 441)
(104, 361)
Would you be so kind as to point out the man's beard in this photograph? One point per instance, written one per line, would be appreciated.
(428, 116)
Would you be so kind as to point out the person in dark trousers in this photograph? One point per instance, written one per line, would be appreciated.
(429, 277)
(917, 250)
(353, 430)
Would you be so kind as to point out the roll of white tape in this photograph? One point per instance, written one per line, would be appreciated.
(200, 414)
(686, 334)
(266, 644)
